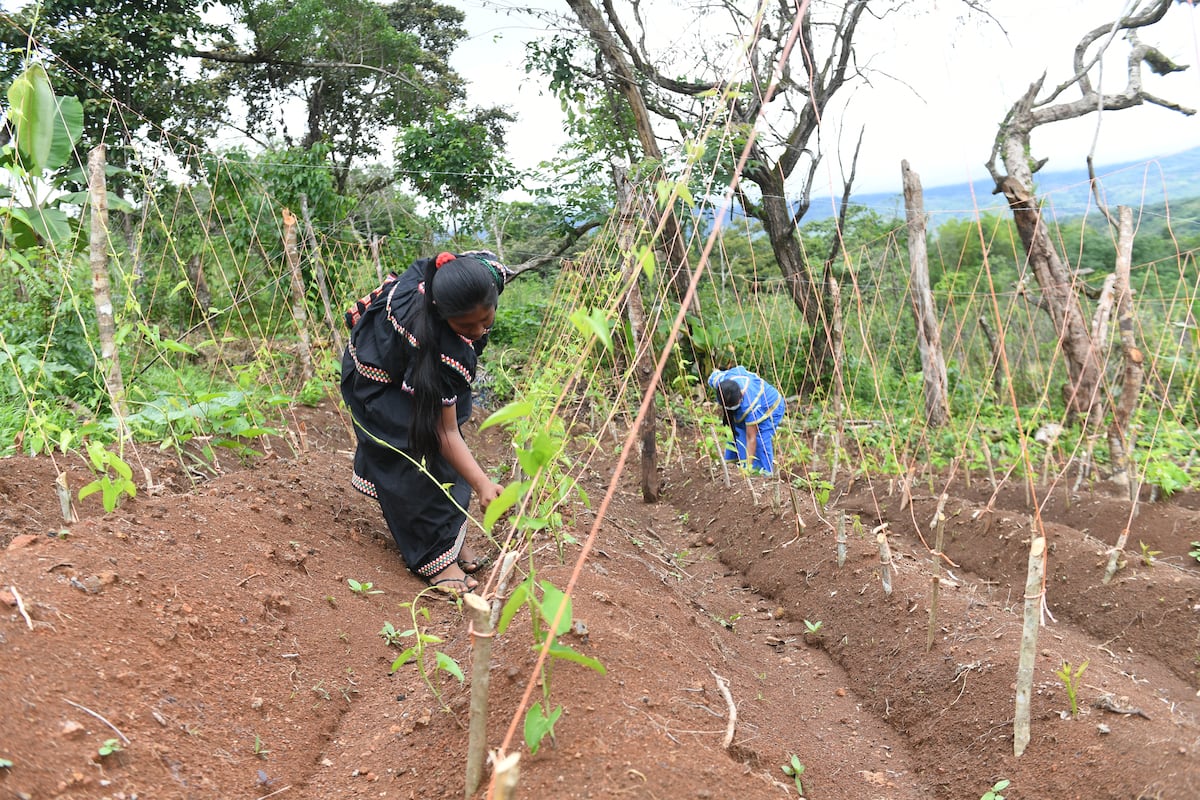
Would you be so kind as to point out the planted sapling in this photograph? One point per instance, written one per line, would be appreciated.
(994, 792)
(362, 588)
(1148, 554)
(794, 769)
(1195, 551)
(108, 747)
(1071, 682)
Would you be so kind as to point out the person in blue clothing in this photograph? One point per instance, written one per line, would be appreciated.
(406, 380)
(753, 409)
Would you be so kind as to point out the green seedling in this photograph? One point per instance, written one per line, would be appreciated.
(6, 763)
(363, 588)
(813, 628)
(1071, 682)
(420, 644)
(994, 792)
(794, 769)
(1148, 554)
(114, 477)
(1195, 551)
(108, 747)
(260, 748)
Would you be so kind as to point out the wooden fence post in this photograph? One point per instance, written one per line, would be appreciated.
(101, 291)
(322, 279)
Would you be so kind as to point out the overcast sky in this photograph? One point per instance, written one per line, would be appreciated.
(962, 76)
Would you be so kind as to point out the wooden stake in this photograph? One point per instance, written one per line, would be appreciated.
(299, 305)
(885, 562)
(64, 498)
(479, 614)
(841, 539)
(101, 290)
(505, 774)
(1114, 555)
(1029, 634)
(939, 526)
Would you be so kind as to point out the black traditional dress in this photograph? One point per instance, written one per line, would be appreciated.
(428, 527)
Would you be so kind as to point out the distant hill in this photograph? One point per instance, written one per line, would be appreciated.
(1135, 184)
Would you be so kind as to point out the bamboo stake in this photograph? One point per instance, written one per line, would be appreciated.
(939, 525)
(479, 615)
(1029, 632)
(885, 562)
(321, 278)
(731, 726)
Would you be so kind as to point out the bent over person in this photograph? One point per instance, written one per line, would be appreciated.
(753, 409)
(406, 380)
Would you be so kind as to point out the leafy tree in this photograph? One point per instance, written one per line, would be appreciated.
(122, 60)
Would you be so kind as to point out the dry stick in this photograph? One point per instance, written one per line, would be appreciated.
(723, 687)
(1029, 633)
(721, 454)
(479, 614)
(841, 539)
(939, 524)
(124, 738)
(21, 606)
(506, 773)
(987, 456)
(277, 791)
(885, 562)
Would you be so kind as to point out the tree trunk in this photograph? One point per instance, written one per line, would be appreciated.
(201, 296)
(1061, 303)
(299, 306)
(321, 277)
(643, 363)
(929, 337)
(110, 362)
(1131, 382)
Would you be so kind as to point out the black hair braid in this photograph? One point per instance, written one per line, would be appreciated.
(458, 286)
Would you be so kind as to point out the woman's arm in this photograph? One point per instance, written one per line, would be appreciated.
(455, 450)
(751, 442)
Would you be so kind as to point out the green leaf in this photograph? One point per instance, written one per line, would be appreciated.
(538, 724)
(448, 664)
(568, 653)
(515, 601)
(594, 322)
(404, 658)
(90, 489)
(32, 109)
(645, 257)
(512, 411)
(507, 499)
(552, 599)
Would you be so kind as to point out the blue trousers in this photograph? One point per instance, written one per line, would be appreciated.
(764, 457)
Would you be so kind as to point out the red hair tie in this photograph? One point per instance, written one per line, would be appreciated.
(443, 258)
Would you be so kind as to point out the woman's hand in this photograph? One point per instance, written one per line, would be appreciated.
(488, 492)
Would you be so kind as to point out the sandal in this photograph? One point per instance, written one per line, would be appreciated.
(471, 566)
(446, 586)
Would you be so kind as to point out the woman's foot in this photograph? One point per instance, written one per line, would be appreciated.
(469, 562)
(452, 580)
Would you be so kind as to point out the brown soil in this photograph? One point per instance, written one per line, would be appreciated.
(212, 627)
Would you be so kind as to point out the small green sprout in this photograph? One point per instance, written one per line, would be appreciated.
(362, 587)
(1195, 551)
(994, 792)
(1148, 554)
(794, 769)
(1071, 682)
(813, 628)
(108, 747)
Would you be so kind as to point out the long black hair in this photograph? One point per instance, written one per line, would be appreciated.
(454, 285)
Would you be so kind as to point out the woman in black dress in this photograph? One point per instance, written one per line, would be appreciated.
(406, 379)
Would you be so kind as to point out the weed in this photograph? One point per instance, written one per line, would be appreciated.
(794, 769)
(1071, 682)
(1148, 554)
(108, 747)
(260, 748)
(1195, 551)
(362, 588)
(994, 792)
(390, 635)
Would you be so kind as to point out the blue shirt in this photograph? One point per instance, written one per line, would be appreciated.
(759, 398)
